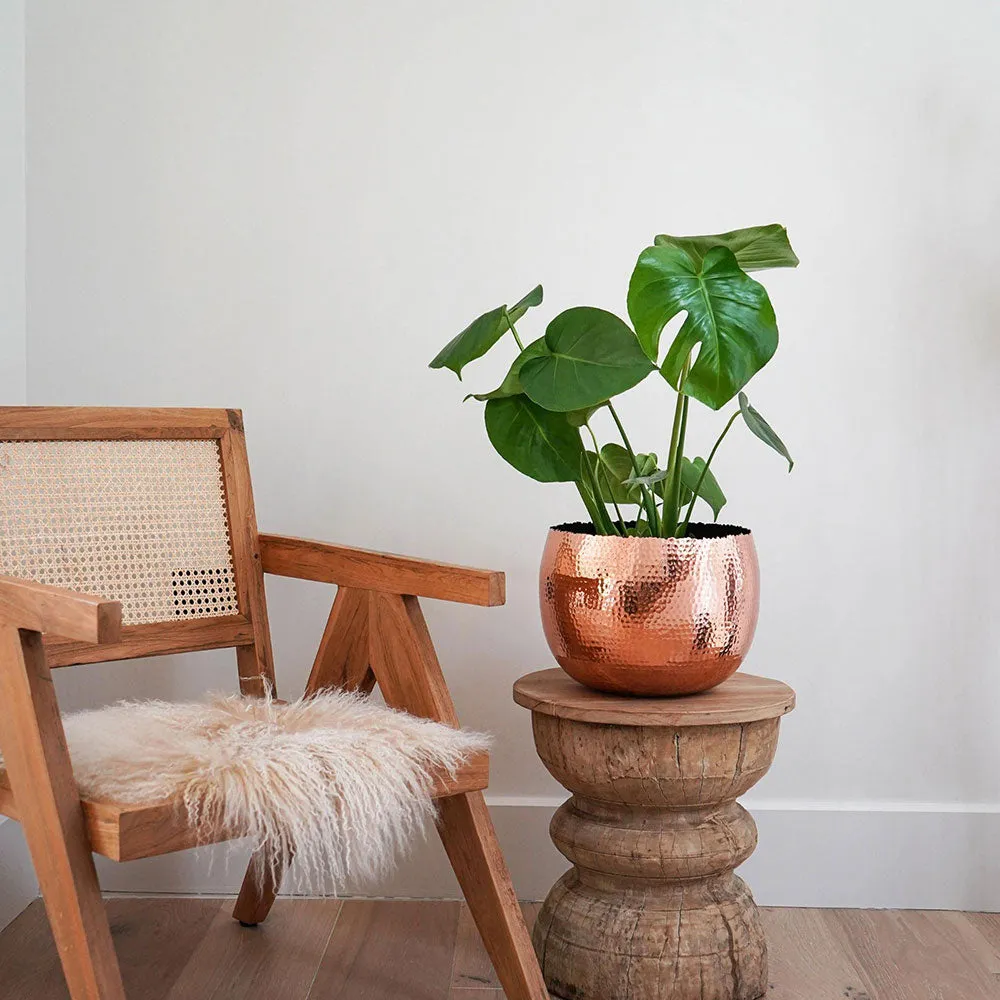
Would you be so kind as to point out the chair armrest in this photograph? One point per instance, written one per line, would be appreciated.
(40, 608)
(305, 559)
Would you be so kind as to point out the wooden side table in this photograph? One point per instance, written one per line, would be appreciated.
(652, 909)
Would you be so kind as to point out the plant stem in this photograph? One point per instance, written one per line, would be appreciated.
(510, 326)
(648, 500)
(671, 486)
(602, 522)
(588, 502)
(597, 452)
(704, 471)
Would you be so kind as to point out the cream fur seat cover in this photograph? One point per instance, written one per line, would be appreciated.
(335, 779)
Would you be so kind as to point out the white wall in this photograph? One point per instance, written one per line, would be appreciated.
(12, 209)
(17, 881)
(290, 207)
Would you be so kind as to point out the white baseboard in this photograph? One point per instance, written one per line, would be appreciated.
(926, 856)
(18, 886)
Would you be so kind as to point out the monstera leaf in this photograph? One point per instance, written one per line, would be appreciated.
(613, 467)
(482, 333)
(755, 249)
(728, 314)
(592, 355)
(694, 476)
(537, 443)
(762, 429)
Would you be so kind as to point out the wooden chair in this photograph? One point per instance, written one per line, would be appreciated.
(153, 509)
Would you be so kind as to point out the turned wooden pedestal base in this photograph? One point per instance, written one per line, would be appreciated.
(651, 909)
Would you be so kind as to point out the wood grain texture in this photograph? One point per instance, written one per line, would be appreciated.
(342, 660)
(41, 608)
(652, 907)
(34, 749)
(324, 562)
(237, 963)
(255, 660)
(404, 661)
(125, 832)
(155, 639)
(742, 698)
(381, 950)
(966, 932)
(139, 928)
(113, 423)
(987, 925)
(472, 969)
(389, 949)
(806, 960)
(905, 955)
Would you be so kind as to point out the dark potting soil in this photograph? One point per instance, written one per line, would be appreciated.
(695, 529)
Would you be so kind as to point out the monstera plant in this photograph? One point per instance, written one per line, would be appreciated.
(541, 417)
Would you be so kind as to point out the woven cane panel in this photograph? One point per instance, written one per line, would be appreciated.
(141, 522)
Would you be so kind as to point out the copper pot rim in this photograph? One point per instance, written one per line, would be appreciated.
(706, 533)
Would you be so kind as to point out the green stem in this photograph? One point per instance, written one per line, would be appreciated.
(589, 503)
(597, 452)
(704, 472)
(510, 326)
(602, 521)
(672, 484)
(648, 500)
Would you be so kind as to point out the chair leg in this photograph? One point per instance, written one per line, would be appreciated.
(258, 892)
(341, 662)
(48, 804)
(469, 838)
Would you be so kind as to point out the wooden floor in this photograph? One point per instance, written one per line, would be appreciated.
(191, 949)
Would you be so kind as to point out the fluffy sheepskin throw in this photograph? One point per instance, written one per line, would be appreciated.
(340, 782)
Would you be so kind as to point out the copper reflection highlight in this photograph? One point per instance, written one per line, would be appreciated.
(651, 616)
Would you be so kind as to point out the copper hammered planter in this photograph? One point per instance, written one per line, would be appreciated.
(650, 616)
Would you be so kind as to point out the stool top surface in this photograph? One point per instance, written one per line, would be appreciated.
(741, 698)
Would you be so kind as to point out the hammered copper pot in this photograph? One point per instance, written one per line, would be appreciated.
(650, 616)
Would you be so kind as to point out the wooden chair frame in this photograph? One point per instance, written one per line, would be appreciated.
(376, 633)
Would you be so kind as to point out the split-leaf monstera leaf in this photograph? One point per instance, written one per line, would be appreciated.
(729, 317)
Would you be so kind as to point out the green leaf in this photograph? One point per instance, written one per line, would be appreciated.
(537, 443)
(511, 385)
(755, 248)
(648, 480)
(656, 479)
(577, 418)
(728, 314)
(759, 426)
(592, 356)
(482, 333)
(709, 490)
(533, 298)
(614, 472)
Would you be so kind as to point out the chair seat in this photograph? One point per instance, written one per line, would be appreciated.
(127, 832)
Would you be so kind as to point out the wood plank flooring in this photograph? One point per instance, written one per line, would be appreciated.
(191, 949)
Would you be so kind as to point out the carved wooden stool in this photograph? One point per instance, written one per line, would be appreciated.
(652, 907)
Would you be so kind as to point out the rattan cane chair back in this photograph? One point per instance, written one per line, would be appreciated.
(149, 507)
